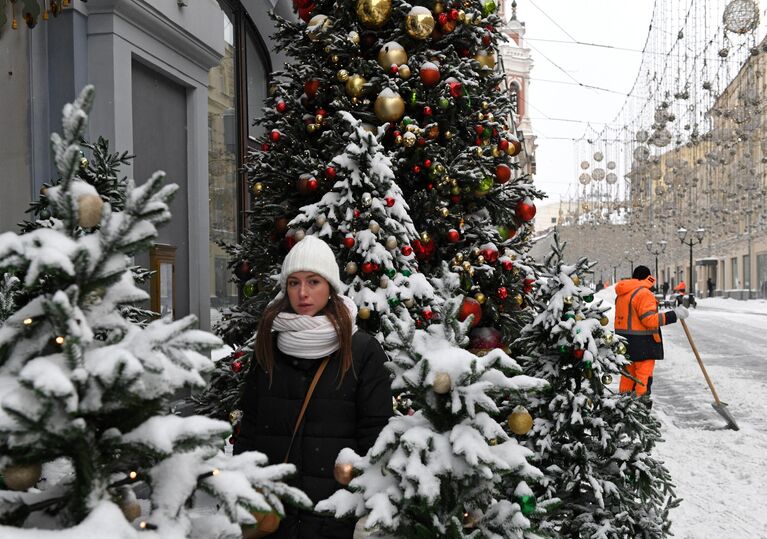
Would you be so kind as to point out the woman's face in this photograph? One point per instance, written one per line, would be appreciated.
(308, 292)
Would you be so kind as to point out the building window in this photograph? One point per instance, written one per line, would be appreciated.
(746, 272)
(734, 273)
(236, 93)
(514, 96)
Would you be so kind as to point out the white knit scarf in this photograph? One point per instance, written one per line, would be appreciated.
(309, 337)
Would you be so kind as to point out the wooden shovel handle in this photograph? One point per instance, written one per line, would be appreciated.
(700, 361)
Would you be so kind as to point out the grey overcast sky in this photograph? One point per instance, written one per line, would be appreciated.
(558, 106)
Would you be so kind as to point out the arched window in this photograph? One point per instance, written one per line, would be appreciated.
(514, 96)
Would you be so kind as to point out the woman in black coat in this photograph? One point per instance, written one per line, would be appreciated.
(350, 404)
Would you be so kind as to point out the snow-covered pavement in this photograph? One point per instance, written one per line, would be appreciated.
(721, 474)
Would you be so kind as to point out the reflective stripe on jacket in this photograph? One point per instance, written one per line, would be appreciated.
(638, 320)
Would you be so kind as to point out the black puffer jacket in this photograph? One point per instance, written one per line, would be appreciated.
(351, 415)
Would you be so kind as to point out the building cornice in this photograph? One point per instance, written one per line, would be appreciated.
(153, 22)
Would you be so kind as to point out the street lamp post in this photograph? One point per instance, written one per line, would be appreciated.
(697, 237)
(628, 255)
(659, 249)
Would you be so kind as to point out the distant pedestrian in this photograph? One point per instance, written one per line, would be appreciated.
(664, 288)
(710, 284)
(600, 286)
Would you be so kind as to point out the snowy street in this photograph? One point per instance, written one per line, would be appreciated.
(719, 472)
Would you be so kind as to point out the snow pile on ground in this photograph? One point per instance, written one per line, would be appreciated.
(719, 472)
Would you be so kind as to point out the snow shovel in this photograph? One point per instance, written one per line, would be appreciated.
(719, 406)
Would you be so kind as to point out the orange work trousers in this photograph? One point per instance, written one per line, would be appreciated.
(642, 371)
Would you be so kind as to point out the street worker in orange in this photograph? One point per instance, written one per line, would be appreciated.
(638, 320)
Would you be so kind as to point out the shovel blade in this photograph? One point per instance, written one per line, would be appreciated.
(722, 410)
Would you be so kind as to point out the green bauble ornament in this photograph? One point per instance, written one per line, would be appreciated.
(485, 184)
(503, 232)
(563, 350)
(568, 316)
(393, 301)
(587, 364)
(390, 272)
(406, 273)
(589, 298)
(250, 288)
(488, 8)
(487, 132)
(443, 102)
(526, 504)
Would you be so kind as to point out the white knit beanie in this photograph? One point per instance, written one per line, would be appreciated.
(312, 254)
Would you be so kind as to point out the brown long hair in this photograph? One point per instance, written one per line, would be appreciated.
(336, 312)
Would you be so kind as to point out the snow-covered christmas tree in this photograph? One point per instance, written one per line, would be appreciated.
(443, 469)
(593, 444)
(85, 393)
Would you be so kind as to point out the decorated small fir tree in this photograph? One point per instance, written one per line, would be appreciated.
(593, 444)
(85, 393)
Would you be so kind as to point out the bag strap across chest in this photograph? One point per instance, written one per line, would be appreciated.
(305, 404)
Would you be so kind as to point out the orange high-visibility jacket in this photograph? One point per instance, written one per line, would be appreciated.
(681, 287)
(638, 320)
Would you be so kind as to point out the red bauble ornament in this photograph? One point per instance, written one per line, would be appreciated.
(307, 184)
(427, 111)
(394, 69)
(290, 241)
(503, 144)
(389, 201)
(470, 306)
(274, 136)
(478, 129)
(305, 14)
(416, 169)
(486, 40)
(238, 354)
(265, 147)
(311, 87)
(282, 107)
(502, 292)
(454, 14)
(455, 199)
(368, 267)
(429, 74)
(442, 18)
(312, 184)
(485, 339)
(330, 173)
(427, 163)
(237, 365)
(357, 213)
(456, 88)
(348, 242)
(421, 141)
(507, 265)
(453, 236)
(502, 173)
(424, 250)
(490, 255)
(578, 353)
(243, 270)
(406, 250)
(525, 210)
(427, 314)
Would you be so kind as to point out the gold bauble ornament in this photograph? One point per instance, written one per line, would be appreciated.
(389, 106)
(268, 522)
(363, 313)
(131, 510)
(404, 71)
(373, 13)
(621, 348)
(235, 416)
(342, 75)
(604, 321)
(22, 477)
(392, 53)
(520, 421)
(459, 258)
(409, 140)
(439, 7)
(518, 299)
(425, 237)
(480, 297)
(353, 37)
(409, 302)
(448, 135)
(576, 280)
(350, 268)
(311, 128)
(355, 85)
(419, 23)
(444, 212)
(317, 25)
(257, 189)
(442, 383)
(343, 473)
(607, 379)
(391, 243)
(89, 210)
